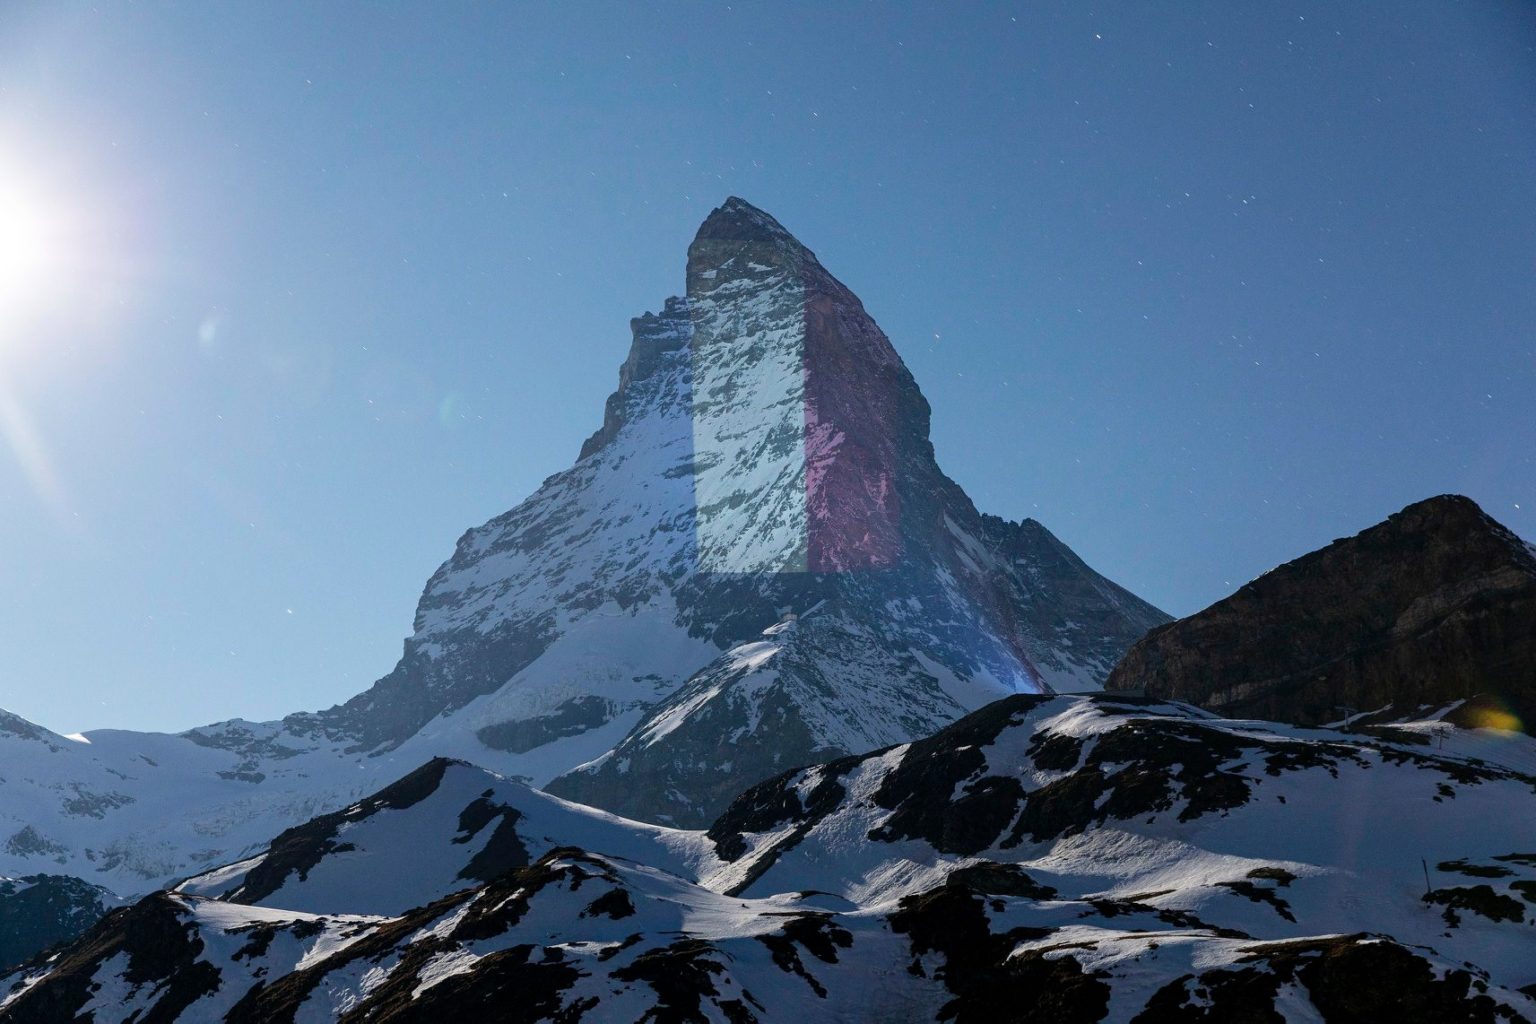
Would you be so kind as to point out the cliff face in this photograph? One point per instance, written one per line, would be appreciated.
(1432, 606)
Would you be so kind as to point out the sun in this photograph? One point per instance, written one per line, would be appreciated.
(32, 249)
(65, 275)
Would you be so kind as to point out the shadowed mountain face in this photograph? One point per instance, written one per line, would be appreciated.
(1435, 605)
(40, 910)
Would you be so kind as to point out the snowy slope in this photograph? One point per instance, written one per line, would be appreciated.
(768, 705)
(1045, 859)
(444, 827)
(1274, 831)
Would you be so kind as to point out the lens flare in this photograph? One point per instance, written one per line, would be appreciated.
(1486, 711)
(19, 437)
(1488, 717)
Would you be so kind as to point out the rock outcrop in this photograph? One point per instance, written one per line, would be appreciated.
(38, 911)
(1434, 606)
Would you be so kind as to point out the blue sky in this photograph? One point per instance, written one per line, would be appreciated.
(1200, 286)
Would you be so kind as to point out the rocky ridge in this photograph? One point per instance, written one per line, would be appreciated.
(1433, 606)
(1064, 859)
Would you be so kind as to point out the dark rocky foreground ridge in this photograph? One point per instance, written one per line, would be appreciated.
(1046, 859)
(1431, 607)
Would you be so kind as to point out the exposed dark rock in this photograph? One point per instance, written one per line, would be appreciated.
(1461, 867)
(683, 977)
(162, 952)
(1351, 979)
(1261, 894)
(27, 841)
(571, 718)
(614, 904)
(772, 804)
(999, 880)
(38, 911)
(988, 979)
(1434, 605)
(503, 851)
(520, 985)
(920, 789)
(815, 933)
(1477, 899)
(502, 905)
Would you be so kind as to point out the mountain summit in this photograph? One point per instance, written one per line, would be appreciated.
(754, 564)
(768, 487)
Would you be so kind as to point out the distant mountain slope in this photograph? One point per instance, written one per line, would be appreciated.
(1044, 859)
(38, 911)
(446, 826)
(1432, 606)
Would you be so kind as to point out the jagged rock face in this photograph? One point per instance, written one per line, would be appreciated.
(1051, 859)
(766, 706)
(810, 435)
(1434, 605)
(39, 911)
(766, 452)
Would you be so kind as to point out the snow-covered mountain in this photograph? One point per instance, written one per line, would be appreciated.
(1044, 859)
(766, 454)
(439, 829)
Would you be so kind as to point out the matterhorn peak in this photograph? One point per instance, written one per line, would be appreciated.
(766, 449)
(737, 220)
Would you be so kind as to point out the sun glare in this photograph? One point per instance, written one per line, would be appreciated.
(31, 248)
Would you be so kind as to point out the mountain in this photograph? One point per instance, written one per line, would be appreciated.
(39, 911)
(815, 492)
(1058, 859)
(443, 827)
(756, 550)
(1431, 607)
(766, 455)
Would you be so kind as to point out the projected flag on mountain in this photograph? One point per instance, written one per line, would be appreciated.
(795, 412)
